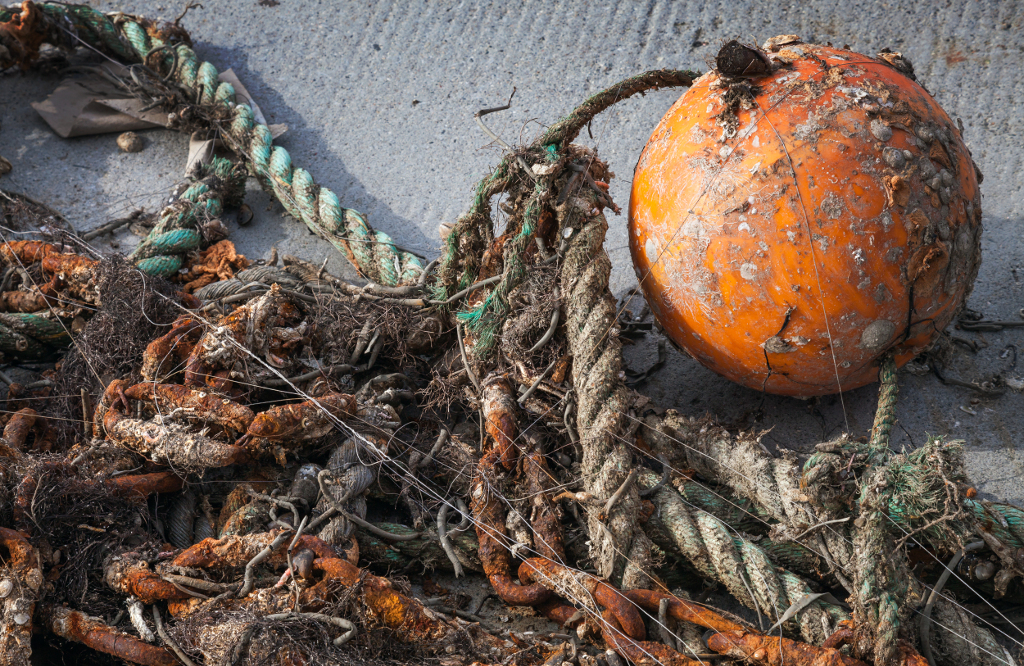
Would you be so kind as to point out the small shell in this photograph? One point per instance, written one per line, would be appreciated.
(894, 157)
(5, 588)
(129, 142)
(880, 130)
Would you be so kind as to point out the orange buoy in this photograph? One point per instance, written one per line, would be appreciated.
(801, 212)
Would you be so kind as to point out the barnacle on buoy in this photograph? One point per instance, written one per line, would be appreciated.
(796, 219)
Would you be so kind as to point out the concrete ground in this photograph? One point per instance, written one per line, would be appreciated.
(379, 99)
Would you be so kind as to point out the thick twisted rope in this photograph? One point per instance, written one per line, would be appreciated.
(718, 553)
(602, 398)
(775, 484)
(880, 573)
(881, 570)
(32, 335)
(885, 413)
(211, 102)
(742, 464)
(618, 547)
(179, 228)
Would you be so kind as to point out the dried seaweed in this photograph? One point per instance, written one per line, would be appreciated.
(135, 308)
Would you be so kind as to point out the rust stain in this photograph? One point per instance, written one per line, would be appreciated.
(199, 405)
(170, 350)
(489, 515)
(682, 610)
(776, 651)
(500, 418)
(640, 653)
(78, 627)
(557, 577)
(140, 486)
(303, 420)
(17, 430)
(547, 540)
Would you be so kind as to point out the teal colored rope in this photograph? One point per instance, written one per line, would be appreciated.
(43, 327)
(373, 253)
(878, 583)
(163, 266)
(717, 552)
(26, 335)
(179, 241)
(486, 318)
(176, 233)
(460, 256)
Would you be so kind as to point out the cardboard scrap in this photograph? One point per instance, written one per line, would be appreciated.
(75, 109)
(94, 105)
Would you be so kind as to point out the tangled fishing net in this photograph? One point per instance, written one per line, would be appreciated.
(225, 462)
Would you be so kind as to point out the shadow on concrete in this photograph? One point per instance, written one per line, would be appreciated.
(337, 178)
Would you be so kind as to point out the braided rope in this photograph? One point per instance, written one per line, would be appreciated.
(26, 335)
(877, 602)
(373, 253)
(775, 485)
(878, 565)
(602, 398)
(619, 547)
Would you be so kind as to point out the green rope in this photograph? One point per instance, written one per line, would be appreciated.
(920, 492)
(372, 253)
(880, 588)
(21, 346)
(486, 318)
(737, 512)
(179, 241)
(163, 266)
(466, 242)
(885, 414)
(566, 130)
(32, 335)
(177, 230)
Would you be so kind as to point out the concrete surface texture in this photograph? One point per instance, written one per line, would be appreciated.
(379, 99)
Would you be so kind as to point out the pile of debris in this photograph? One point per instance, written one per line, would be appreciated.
(236, 463)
